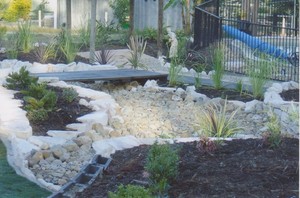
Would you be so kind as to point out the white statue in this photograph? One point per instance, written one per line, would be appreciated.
(174, 43)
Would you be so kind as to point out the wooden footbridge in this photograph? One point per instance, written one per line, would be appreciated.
(106, 75)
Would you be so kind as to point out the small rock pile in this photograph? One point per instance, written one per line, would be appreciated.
(61, 163)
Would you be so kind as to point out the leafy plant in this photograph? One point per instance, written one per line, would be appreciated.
(37, 115)
(162, 166)
(103, 56)
(20, 80)
(137, 46)
(102, 32)
(3, 31)
(44, 52)
(35, 90)
(84, 35)
(273, 137)
(24, 41)
(69, 94)
(67, 45)
(205, 145)
(18, 9)
(213, 121)
(259, 72)
(47, 102)
(121, 10)
(294, 113)
(130, 191)
(174, 73)
(218, 66)
(147, 33)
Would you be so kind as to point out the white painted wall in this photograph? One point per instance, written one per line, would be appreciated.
(146, 15)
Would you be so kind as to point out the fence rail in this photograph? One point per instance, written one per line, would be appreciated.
(251, 42)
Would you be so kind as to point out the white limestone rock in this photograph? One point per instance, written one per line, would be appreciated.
(38, 142)
(151, 84)
(250, 106)
(276, 87)
(63, 134)
(109, 146)
(38, 68)
(272, 97)
(95, 117)
(80, 127)
(51, 141)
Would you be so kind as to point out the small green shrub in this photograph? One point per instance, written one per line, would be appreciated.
(3, 31)
(131, 191)
(137, 46)
(69, 94)
(213, 121)
(18, 9)
(20, 80)
(273, 136)
(162, 163)
(35, 90)
(47, 102)
(148, 34)
(37, 115)
(120, 9)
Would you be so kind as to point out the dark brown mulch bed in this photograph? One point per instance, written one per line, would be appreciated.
(238, 168)
(65, 113)
(290, 95)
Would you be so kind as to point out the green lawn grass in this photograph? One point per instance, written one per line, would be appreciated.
(15, 186)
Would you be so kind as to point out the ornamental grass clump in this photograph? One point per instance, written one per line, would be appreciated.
(215, 121)
(174, 72)
(43, 52)
(218, 66)
(103, 56)
(259, 72)
(24, 39)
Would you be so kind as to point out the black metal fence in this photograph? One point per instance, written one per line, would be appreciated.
(245, 42)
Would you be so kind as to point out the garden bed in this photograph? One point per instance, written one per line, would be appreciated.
(238, 168)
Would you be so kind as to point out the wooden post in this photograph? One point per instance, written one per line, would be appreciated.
(160, 27)
(69, 12)
(131, 17)
(93, 30)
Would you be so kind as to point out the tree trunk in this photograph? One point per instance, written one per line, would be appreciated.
(187, 18)
(183, 16)
(69, 11)
(93, 30)
(131, 17)
(160, 27)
